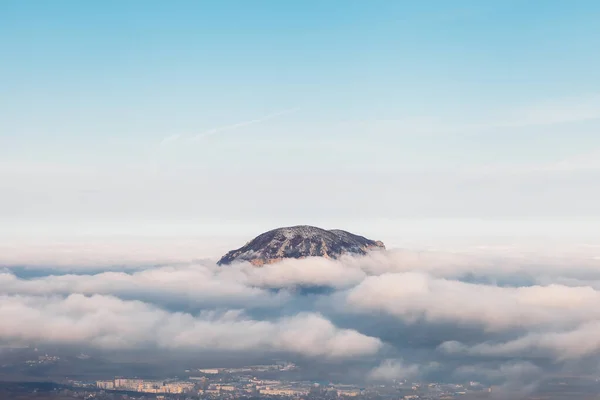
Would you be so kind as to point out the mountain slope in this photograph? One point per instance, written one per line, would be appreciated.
(300, 242)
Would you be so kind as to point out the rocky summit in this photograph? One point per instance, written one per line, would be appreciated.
(300, 242)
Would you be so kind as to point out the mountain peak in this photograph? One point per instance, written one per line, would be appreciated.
(299, 242)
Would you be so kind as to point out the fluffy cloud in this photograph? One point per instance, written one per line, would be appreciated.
(108, 322)
(416, 296)
(570, 344)
(313, 272)
(523, 370)
(192, 284)
(390, 370)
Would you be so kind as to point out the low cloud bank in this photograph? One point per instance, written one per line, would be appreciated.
(112, 323)
(403, 314)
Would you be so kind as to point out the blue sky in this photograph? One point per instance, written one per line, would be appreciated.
(267, 112)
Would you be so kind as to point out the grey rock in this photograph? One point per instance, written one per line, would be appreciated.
(300, 242)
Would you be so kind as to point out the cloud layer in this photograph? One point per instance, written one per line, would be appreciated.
(109, 322)
(401, 314)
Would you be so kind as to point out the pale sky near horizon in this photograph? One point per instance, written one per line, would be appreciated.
(382, 117)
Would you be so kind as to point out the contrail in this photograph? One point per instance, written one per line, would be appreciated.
(173, 138)
(170, 139)
(214, 131)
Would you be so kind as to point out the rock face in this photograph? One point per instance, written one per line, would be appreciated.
(300, 242)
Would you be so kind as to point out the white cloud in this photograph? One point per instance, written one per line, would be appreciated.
(416, 297)
(108, 322)
(308, 272)
(189, 284)
(392, 369)
(583, 341)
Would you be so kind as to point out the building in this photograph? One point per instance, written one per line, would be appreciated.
(226, 388)
(282, 392)
(128, 384)
(348, 392)
(106, 385)
(209, 371)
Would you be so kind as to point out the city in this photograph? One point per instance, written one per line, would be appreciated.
(79, 376)
(238, 383)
